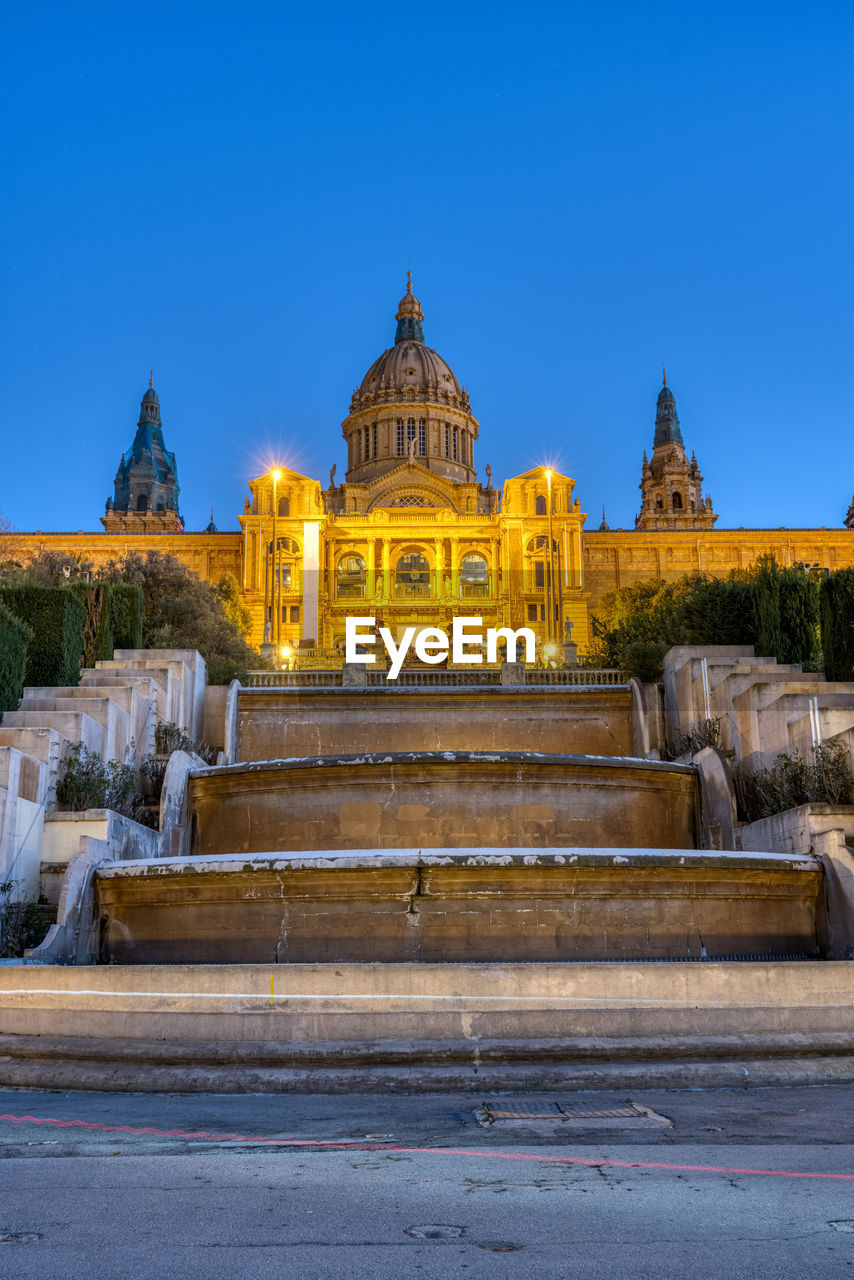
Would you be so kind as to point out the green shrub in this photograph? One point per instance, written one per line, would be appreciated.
(15, 636)
(128, 607)
(643, 659)
(89, 782)
(837, 624)
(168, 737)
(96, 599)
(822, 778)
(56, 618)
(719, 611)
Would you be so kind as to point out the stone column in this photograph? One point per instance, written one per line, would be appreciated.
(455, 568)
(371, 568)
(331, 550)
(387, 568)
(438, 567)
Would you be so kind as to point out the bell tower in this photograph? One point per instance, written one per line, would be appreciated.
(146, 485)
(671, 486)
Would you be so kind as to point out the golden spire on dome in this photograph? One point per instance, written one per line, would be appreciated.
(409, 304)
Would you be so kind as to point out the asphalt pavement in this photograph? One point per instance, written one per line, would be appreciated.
(747, 1183)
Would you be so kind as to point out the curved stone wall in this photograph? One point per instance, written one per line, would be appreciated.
(442, 800)
(475, 905)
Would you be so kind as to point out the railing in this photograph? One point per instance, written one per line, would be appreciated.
(558, 677)
(290, 679)
(584, 676)
(416, 679)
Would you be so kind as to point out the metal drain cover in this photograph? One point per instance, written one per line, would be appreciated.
(551, 1113)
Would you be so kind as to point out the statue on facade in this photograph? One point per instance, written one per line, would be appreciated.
(267, 631)
(567, 631)
(411, 449)
(488, 476)
(332, 471)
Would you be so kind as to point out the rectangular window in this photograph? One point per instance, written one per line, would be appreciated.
(447, 441)
(410, 430)
(294, 613)
(374, 439)
(400, 448)
(532, 613)
(422, 437)
(540, 574)
(456, 444)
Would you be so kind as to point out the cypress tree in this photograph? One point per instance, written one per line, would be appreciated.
(766, 608)
(837, 624)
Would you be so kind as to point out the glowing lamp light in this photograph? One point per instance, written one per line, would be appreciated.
(286, 651)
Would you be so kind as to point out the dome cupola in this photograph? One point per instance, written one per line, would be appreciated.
(409, 316)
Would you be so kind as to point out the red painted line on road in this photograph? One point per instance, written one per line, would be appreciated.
(333, 1145)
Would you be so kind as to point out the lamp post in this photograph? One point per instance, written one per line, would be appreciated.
(277, 599)
(551, 590)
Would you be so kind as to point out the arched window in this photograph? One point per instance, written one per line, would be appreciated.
(284, 507)
(677, 502)
(351, 578)
(412, 576)
(401, 447)
(540, 505)
(142, 502)
(422, 437)
(659, 503)
(474, 575)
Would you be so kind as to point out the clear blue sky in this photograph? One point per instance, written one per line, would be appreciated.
(232, 194)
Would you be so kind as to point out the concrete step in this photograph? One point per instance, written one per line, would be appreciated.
(115, 722)
(330, 1028)
(75, 726)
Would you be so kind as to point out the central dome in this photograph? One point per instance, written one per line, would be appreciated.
(410, 370)
(410, 365)
(410, 407)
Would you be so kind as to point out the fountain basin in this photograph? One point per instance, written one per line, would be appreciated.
(476, 905)
(442, 799)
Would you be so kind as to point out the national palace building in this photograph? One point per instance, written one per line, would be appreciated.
(410, 536)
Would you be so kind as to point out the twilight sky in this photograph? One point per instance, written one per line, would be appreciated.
(233, 193)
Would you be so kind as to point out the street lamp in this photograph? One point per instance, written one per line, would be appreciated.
(551, 590)
(277, 604)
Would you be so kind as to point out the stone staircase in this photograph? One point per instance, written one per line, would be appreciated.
(113, 712)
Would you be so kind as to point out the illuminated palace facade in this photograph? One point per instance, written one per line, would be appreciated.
(411, 537)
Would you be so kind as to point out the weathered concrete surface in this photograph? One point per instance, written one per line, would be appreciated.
(279, 723)
(75, 937)
(460, 905)
(123, 837)
(442, 800)
(794, 831)
(332, 1027)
